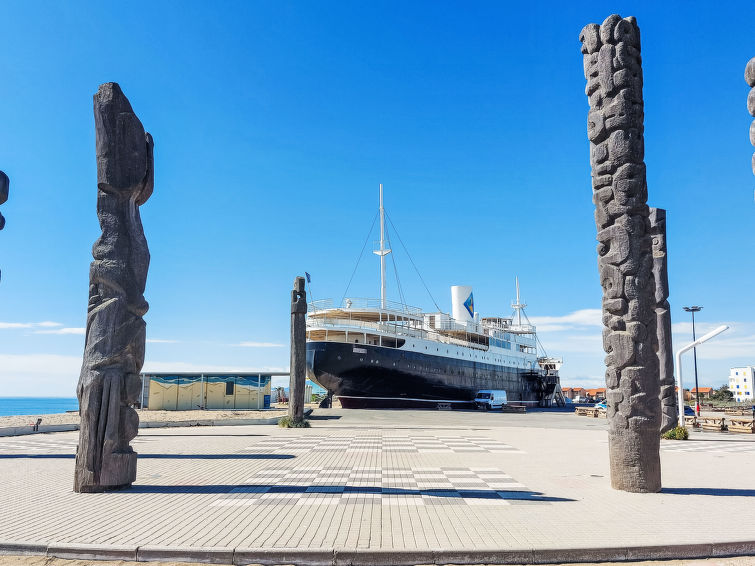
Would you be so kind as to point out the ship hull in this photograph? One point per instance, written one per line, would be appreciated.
(363, 375)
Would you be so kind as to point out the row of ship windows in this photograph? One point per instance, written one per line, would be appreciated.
(481, 357)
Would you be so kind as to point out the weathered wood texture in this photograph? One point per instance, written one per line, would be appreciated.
(750, 80)
(669, 414)
(115, 334)
(713, 424)
(613, 69)
(745, 426)
(4, 187)
(298, 350)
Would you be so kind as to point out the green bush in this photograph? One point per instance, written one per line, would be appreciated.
(288, 422)
(676, 433)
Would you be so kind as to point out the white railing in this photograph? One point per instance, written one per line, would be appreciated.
(392, 329)
(359, 303)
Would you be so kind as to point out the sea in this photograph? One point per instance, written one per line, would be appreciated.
(37, 405)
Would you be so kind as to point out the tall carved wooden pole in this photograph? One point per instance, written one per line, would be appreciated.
(4, 186)
(613, 70)
(115, 334)
(298, 351)
(669, 415)
(750, 79)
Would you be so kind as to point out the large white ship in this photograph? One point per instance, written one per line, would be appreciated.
(379, 353)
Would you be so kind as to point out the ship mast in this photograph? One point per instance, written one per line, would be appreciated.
(518, 306)
(382, 252)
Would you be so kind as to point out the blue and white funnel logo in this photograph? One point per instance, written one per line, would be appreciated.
(469, 305)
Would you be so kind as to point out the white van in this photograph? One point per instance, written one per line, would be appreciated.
(488, 399)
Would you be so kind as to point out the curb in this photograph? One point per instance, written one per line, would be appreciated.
(355, 557)
(22, 548)
(26, 430)
(92, 551)
(210, 555)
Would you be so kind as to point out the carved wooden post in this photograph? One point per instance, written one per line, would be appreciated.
(750, 79)
(115, 335)
(613, 70)
(669, 415)
(4, 186)
(298, 377)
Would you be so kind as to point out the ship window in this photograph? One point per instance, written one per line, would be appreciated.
(229, 387)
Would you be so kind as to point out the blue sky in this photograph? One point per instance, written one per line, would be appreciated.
(275, 121)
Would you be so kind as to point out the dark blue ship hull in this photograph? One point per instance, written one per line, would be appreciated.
(364, 375)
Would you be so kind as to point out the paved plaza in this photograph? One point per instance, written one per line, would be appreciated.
(403, 486)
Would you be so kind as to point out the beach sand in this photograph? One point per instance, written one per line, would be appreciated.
(147, 416)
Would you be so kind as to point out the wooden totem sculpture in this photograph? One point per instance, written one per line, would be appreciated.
(669, 415)
(4, 187)
(298, 377)
(613, 69)
(109, 383)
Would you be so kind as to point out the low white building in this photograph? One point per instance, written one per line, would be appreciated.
(740, 383)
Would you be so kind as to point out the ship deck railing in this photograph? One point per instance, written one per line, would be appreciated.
(358, 303)
(391, 329)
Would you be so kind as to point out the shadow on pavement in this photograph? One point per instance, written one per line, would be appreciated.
(168, 435)
(717, 491)
(524, 496)
(167, 456)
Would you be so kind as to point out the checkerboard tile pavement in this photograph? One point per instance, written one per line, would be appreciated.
(713, 446)
(424, 444)
(394, 486)
(50, 443)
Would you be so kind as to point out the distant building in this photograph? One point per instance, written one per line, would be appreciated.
(176, 391)
(705, 392)
(596, 393)
(740, 383)
(581, 395)
(574, 393)
(687, 394)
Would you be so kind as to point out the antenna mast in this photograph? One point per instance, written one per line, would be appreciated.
(518, 305)
(382, 252)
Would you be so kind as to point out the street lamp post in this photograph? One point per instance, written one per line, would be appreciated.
(693, 310)
(679, 353)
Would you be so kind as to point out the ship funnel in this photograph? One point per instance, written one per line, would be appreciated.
(462, 303)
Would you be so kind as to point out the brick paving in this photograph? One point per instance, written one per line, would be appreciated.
(393, 480)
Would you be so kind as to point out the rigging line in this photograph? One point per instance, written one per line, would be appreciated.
(536, 336)
(395, 269)
(367, 239)
(413, 264)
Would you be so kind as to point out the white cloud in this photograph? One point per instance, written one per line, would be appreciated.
(575, 343)
(78, 331)
(44, 324)
(35, 374)
(578, 319)
(587, 382)
(260, 345)
(161, 341)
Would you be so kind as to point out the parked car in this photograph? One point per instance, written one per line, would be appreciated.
(602, 405)
(488, 399)
(689, 411)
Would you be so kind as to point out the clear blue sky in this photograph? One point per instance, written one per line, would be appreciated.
(275, 121)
